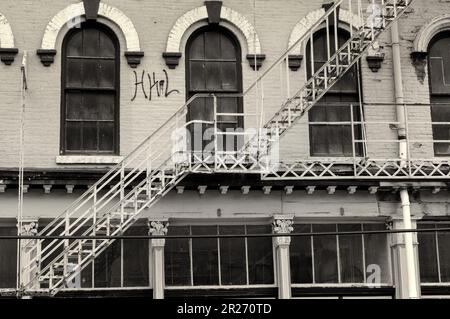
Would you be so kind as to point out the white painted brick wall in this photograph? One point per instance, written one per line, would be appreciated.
(153, 21)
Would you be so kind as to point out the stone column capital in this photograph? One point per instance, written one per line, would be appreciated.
(283, 224)
(158, 228)
(29, 226)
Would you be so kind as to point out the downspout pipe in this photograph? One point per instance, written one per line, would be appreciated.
(403, 154)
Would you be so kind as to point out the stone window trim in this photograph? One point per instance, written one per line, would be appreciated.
(7, 49)
(88, 159)
(75, 14)
(174, 46)
(346, 18)
(427, 33)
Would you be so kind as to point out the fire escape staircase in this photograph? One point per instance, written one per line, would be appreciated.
(149, 172)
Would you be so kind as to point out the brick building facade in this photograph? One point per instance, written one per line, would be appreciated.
(145, 54)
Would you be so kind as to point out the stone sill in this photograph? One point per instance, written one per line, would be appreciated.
(86, 159)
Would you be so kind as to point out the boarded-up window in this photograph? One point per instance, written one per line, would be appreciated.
(439, 69)
(90, 83)
(330, 124)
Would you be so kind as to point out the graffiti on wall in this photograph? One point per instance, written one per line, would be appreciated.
(151, 86)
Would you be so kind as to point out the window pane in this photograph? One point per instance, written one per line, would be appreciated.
(197, 49)
(260, 256)
(106, 136)
(74, 72)
(107, 268)
(90, 106)
(301, 256)
(377, 253)
(319, 140)
(90, 73)
(90, 140)
(74, 101)
(8, 258)
(106, 73)
(107, 47)
(228, 48)
(325, 254)
(213, 76)
(444, 253)
(229, 76)
(177, 259)
(74, 45)
(351, 254)
(205, 256)
(73, 136)
(197, 76)
(232, 256)
(105, 106)
(136, 258)
(91, 42)
(427, 254)
(212, 45)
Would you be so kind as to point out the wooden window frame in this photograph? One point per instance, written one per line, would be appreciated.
(438, 37)
(116, 121)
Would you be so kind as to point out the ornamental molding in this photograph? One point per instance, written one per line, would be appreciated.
(429, 31)
(158, 228)
(305, 24)
(73, 14)
(193, 16)
(283, 225)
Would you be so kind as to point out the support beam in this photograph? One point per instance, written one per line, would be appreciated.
(158, 228)
(406, 275)
(283, 225)
(28, 227)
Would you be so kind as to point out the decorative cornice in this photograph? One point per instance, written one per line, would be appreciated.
(172, 59)
(256, 60)
(47, 56)
(295, 61)
(375, 61)
(7, 55)
(134, 58)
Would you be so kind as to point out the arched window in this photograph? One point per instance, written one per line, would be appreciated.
(213, 65)
(330, 119)
(90, 91)
(439, 77)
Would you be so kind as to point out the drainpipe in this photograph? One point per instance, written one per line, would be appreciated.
(403, 153)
